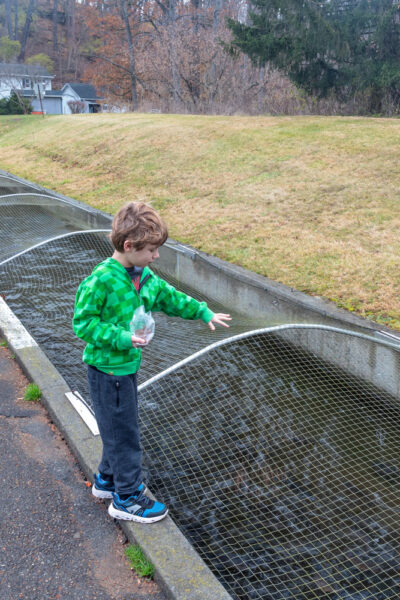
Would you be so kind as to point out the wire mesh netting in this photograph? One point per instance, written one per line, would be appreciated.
(40, 286)
(282, 470)
(29, 219)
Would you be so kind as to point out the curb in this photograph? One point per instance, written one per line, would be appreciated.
(179, 570)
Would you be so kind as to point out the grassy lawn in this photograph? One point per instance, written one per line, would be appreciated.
(312, 202)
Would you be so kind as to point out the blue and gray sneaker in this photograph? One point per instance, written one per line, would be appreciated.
(137, 507)
(105, 489)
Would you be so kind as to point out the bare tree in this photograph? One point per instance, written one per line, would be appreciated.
(176, 88)
(72, 44)
(15, 19)
(168, 31)
(131, 54)
(216, 27)
(9, 19)
(55, 28)
(169, 55)
(25, 32)
(76, 106)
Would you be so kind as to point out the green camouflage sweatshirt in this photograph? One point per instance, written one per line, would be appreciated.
(104, 306)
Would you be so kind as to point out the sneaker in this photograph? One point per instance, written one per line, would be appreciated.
(137, 507)
(102, 488)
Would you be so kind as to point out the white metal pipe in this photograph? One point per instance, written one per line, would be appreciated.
(254, 332)
(57, 237)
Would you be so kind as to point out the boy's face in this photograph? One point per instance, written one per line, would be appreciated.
(139, 258)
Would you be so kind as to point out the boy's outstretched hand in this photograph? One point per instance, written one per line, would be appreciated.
(219, 318)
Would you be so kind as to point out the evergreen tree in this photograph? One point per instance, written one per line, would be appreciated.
(15, 105)
(18, 105)
(339, 46)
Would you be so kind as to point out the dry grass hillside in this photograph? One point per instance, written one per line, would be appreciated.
(312, 202)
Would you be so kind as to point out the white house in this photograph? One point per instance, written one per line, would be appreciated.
(23, 77)
(81, 92)
(35, 83)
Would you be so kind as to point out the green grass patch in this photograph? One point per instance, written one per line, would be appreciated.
(3, 344)
(32, 393)
(139, 562)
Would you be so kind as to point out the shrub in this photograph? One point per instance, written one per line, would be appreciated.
(76, 106)
(15, 105)
(4, 107)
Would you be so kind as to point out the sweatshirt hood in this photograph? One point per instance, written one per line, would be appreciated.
(111, 263)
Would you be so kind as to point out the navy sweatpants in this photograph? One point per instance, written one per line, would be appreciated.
(115, 405)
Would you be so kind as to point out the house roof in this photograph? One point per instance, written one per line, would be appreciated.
(57, 93)
(47, 93)
(22, 70)
(26, 93)
(86, 91)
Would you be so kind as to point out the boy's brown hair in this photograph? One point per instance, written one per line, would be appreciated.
(139, 223)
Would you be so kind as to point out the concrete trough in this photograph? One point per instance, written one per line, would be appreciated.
(179, 570)
(254, 294)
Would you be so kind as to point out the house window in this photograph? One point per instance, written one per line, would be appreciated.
(26, 83)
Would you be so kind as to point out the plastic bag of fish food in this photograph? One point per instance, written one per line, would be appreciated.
(142, 324)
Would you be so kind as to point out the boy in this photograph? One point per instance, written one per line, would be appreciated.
(105, 302)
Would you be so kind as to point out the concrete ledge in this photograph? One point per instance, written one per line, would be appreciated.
(93, 217)
(272, 303)
(179, 570)
(251, 293)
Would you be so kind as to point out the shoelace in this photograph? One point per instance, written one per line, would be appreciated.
(143, 499)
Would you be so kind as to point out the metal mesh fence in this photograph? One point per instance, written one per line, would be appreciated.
(30, 219)
(283, 471)
(40, 286)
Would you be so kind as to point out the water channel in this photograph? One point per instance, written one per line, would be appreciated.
(282, 470)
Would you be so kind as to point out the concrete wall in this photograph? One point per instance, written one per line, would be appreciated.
(274, 303)
(11, 185)
(57, 203)
(78, 213)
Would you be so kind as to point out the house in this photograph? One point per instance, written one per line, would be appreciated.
(35, 83)
(81, 92)
(23, 77)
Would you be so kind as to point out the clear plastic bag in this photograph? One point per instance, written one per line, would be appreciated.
(142, 324)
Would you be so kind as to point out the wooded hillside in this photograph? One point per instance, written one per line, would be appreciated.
(163, 56)
(216, 56)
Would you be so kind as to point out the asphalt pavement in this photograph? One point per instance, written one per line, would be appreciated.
(56, 540)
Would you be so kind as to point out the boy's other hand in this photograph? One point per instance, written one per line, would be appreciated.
(137, 342)
(219, 318)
